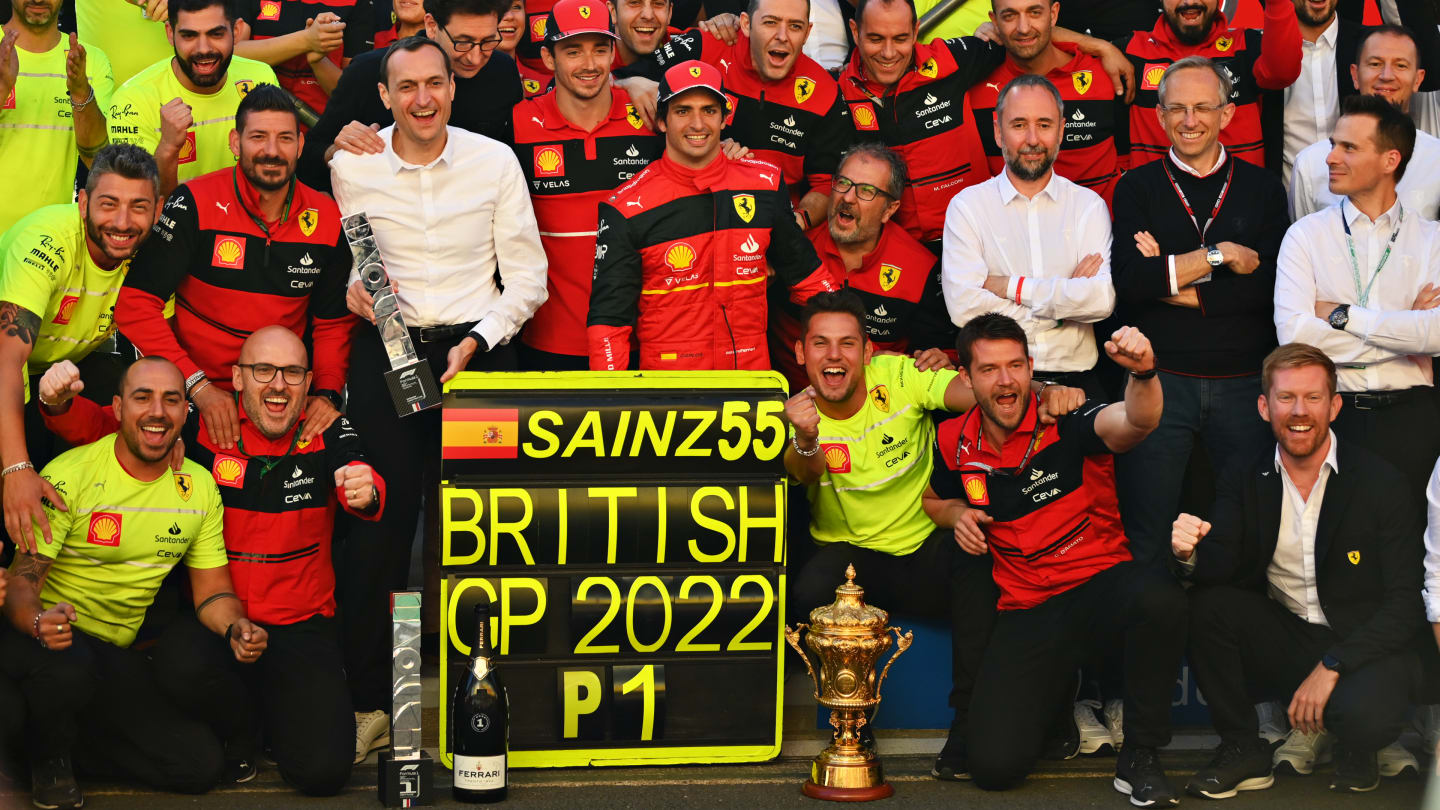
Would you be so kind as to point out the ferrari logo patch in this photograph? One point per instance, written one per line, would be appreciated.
(584, 12)
(929, 70)
(309, 219)
(184, 485)
(531, 86)
(694, 72)
(1353, 557)
(880, 396)
(745, 206)
(889, 277)
(633, 117)
(244, 86)
(804, 89)
(1082, 79)
(1223, 44)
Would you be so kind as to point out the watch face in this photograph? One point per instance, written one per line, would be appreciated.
(1214, 257)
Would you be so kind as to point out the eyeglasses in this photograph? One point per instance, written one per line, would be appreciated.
(264, 372)
(841, 184)
(465, 45)
(1183, 110)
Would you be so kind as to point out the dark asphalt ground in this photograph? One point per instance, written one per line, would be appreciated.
(1083, 782)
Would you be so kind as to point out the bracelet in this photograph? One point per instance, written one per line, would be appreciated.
(229, 631)
(201, 387)
(200, 607)
(1144, 375)
(86, 103)
(192, 381)
(24, 465)
(38, 639)
(796, 445)
(46, 404)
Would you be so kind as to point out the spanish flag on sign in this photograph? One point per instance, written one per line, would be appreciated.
(480, 433)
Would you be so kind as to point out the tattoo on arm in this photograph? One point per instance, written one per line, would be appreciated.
(32, 568)
(17, 321)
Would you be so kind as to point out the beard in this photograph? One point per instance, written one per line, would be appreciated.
(1028, 172)
(1183, 31)
(96, 235)
(131, 435)
(271, 426)
(251, 169)
(213, 79)
(992, 411)
(1307, 18)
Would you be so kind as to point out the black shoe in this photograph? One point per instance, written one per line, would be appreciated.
(1138, 775)
(53, 785)
(239, 771)
(953, 763)
(1237, 766)
(1064, 744)
(1355, 771)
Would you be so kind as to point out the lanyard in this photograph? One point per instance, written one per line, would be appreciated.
(260, 223)
(267, 466)
(1363, 295)
(986, 468)
(1185, 201)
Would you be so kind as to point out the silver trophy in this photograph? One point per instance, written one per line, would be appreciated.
(406, 771)
(411, 383)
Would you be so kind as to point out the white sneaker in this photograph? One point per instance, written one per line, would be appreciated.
(1394, 760)
(1114, 717)
(1427, 722)
(372, 731)
(1093, 735)
(1302, 752)
(1274, 724)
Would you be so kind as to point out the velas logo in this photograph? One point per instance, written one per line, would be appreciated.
(744, 206)
(889, 276)
(680, 256)
(929, 70)
(229, 251)
(269, 10)
(975, 490)
(837, 457)
(67, 305)
(549, 161)
(104, 529)
(1151, 75)
(309, 219)
(229, 471)
(187, 149)
(864, 116)
(537, 28)
(804, 89)
(1082, 79)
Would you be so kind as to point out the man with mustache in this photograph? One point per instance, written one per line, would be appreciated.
(1388, 66)
(861, 443)
(241, 249)
(1308, 573)
(61, 270)
(280, 499)
(1256, 61)
(76, 603)
(45, 77)
(1031, 244)
(1040, 501)
(181, 109)
(1331, 46)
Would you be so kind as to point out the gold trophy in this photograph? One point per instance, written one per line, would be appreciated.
(848, 638)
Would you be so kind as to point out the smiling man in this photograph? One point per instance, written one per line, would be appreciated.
(61, 269)
(182, 109)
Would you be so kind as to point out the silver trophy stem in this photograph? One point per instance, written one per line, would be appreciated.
(405, 670)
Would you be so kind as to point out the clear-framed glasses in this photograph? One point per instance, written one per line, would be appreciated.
(264, 372)
(864, 191)
(465, 45)
(1184, 110)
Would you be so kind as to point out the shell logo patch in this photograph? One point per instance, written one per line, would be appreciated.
(104, 529)
(804, 89)
(929, 70)
(67, 306)
(537, 28)
(864, 116)
(744, 206)
(549, 161)
(187, 149)
(837, 457)
(269, 10)
(889, 276)
(1353, 557)
(309, 219)
(229, 471)
(1223, 44)
(1082, 79)
(184, 486)
(680, 256)
(229, 252)
(975, 490)
(1152, 74)
(880, 396)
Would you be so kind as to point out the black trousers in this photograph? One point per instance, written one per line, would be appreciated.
(106, 706)
(936, 580)
(1028, 672)
(374, 557)
(294, 697)
(1406, 433)
(1245, 645)
(12, 727)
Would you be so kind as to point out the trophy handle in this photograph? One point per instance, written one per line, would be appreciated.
(902, 643)
(793, 636)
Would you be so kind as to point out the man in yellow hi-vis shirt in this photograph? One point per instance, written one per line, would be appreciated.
(183, 108)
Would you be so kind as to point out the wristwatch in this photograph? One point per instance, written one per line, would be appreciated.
(1213, 256)
(1340, 316)
(334, 397)
(1331, 663)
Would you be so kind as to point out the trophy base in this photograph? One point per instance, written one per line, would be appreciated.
(412, 388)
(406, 782)
(847, 777)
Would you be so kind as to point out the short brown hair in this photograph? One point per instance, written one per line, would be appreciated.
(1295, 355)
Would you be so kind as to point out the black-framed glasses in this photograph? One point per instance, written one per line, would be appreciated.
(864, 191)
(265, 372)
(465, 45)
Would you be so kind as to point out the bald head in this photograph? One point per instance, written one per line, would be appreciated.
(155, 373)
(275, 345)
(272, 379)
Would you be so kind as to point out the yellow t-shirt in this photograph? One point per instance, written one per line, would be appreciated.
(37, 133)
(45, 267)
(121, 30)
(134, 114)
(121, 536)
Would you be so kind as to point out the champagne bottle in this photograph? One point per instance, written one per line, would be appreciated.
(480, 723)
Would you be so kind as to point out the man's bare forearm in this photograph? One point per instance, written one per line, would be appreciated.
(22, 598)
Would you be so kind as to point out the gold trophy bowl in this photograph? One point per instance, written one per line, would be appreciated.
(848, 638)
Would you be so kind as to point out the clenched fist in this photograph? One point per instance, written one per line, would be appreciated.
(175, 121)
(1185, 534)
(60, 384)
(1130, 350)
(357, 483)
(800, 411)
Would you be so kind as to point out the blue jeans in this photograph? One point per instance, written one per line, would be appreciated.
(1221, 412)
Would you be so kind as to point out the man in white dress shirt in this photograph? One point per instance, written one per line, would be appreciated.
(1032, 245)
(451, 217)
(1353, 280)
(1389, 67)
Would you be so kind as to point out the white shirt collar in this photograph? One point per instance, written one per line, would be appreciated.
(1353, 212)
(1174, 158)
(398, 164)
(1008, 192)
(1329, 456)
(1329, 35)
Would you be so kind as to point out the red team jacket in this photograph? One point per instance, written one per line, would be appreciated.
(570, 173)
(927, 119)
(680, 264)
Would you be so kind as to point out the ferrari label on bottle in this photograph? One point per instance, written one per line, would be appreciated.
(479, 773)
